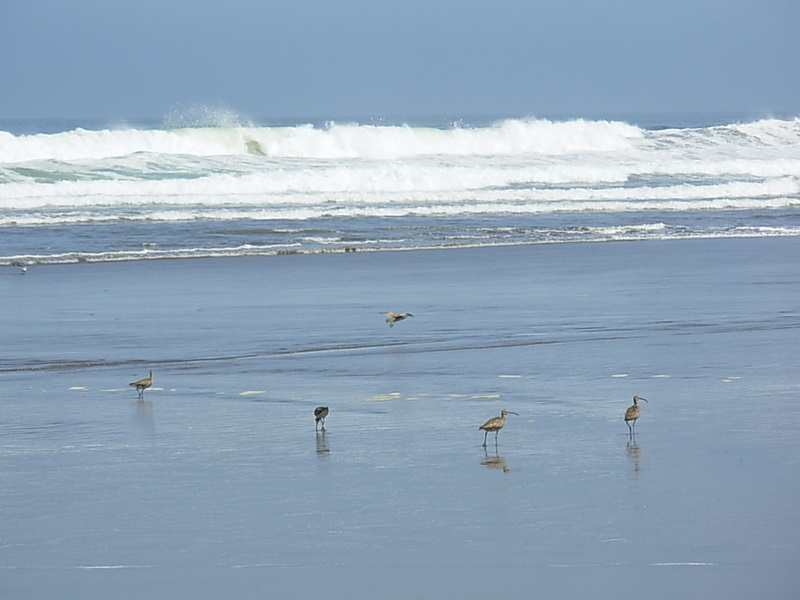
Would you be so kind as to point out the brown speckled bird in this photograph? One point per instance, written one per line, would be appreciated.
(633, 413)
(495, 425)
(142, 384)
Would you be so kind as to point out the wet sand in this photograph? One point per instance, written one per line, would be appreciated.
(217, 484)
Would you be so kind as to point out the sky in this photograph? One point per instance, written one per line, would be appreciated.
(265, 59)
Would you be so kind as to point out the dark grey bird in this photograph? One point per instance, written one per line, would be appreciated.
(392, 317)
(495, 424)
(23, 268)
(142, 384)
(319, 415)
(632, 413)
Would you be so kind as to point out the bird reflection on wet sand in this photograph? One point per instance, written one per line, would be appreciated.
(143, 416)
(494, 462)
(323, 447)
(634, 453)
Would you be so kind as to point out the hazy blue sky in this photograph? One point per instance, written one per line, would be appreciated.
(331, 58)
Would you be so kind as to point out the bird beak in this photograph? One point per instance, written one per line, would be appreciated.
(512, 412)
(645, 399)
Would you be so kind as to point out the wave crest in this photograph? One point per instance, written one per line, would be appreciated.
(513, 136)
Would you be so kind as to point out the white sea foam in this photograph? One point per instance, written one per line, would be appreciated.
(517, 168)
(509, 137)
(193, 202)
(334, 141)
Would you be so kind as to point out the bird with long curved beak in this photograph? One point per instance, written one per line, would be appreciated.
(633, 412)
(495, 424)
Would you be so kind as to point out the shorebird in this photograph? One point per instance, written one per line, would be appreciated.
(319, 415)
(23, 268)
(495, 425)
(633, 413)
(142, 384)
(393, 317)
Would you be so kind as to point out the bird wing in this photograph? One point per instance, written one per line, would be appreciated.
(491, 424)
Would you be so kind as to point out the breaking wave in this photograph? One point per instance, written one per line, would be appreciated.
(230, 171)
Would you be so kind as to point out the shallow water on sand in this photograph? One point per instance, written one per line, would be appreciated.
(217, 480)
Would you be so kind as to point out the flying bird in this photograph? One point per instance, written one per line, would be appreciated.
(393, 317)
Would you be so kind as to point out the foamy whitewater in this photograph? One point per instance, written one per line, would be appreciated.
(228, 188)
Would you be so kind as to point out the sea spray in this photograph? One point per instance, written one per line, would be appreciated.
(207, 181)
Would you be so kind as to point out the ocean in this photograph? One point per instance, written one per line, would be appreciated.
(216, 483)
(208, 183)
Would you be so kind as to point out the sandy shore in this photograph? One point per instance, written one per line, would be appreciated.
(218, 484)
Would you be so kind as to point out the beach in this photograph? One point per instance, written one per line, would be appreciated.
(216, 482)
